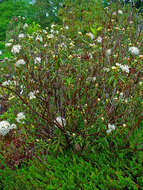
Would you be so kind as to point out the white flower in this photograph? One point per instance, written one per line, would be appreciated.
(32, 95)
(120, 12)
(25, 25)
(106, 69)
(8, 44)
(66, 27)
(56, 31)
(109, 131)
(118, 64)
(6, 83)
(37, 60)
(0, 52)
(52, 31)
(92, 79)
(11, 40)
(47, 14)
(99, 39)
(114, 67)
(125, 68)
(134, 51)
(39, 38)
(53, 25)
(16, 49)
(5, 127)
(90, 35)
(20, 116)
(21, 36)
(50, 36)
(121, 94)
(61, 121)
(13, 126)
(20, 62)
(110, 128)
(108, 52)
(80, 33)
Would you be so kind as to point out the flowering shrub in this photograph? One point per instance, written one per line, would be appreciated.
(81, 81)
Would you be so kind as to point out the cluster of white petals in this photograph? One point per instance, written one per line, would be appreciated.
(32, 94)
(39, 38)
(120, 12)
(110, 128)
(61, 121)
(91, 79)
(25, 26)
(8, 82)
(66, 27)
(124, 68)
(0, 52)
(37, 60)
(21, 36)
(50, 36)
(5, 127)
(20, 116)
(16, 49)
(108, 52)
(99, 39)
(20, 62)
(134, 51)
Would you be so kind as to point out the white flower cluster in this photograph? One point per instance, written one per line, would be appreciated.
(124, 68)
(61, 121)
(20, 116)
(50, 36)
(99, 39)
(19, 62)
(134, 51)
(25, 26)
(37, 60)
(108, 52)
(16, 49)
(5, 127)
(91, 79)
(8, 82)
(66, 27)
(21, 36)
(120, 12)
(110, 128)
(39, 38)
(0, 52)
(32, 94)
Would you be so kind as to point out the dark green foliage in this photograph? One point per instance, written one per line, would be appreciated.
(36, 12)
(45, 12)
(8, 9)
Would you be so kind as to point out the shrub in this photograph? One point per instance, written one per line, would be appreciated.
(79, 84)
